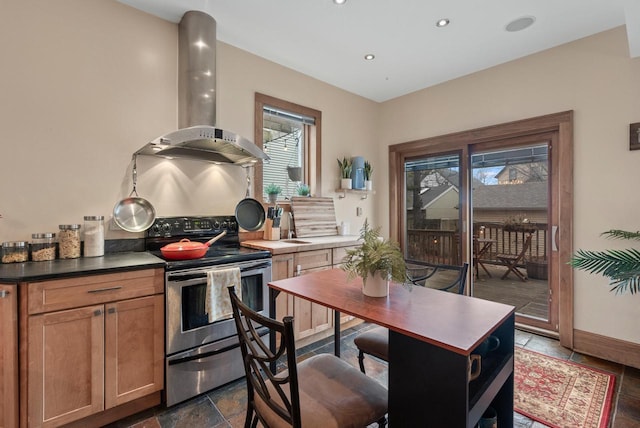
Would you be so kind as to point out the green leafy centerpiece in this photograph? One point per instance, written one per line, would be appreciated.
(377, 261)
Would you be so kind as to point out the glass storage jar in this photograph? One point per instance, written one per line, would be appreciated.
(43, 247)
(93, 236)
(15, 251)
(69, 241)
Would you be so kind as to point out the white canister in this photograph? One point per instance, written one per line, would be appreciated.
(343, 229)
(94, 236)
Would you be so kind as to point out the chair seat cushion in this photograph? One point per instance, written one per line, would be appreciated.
(374, 342)
(332, 394)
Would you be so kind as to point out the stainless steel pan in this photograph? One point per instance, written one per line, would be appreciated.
(134, 214)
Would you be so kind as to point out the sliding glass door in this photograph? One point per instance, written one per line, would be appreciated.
(513, 183)
(510, 202)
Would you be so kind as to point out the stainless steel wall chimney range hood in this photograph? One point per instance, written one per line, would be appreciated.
(197, 136)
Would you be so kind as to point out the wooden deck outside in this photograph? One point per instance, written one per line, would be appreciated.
(529, 297)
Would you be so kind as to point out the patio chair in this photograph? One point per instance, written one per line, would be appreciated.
(320, 391)
(511, 261)
(376, 340)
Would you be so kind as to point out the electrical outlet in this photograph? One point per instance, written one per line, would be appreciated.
(358, 211)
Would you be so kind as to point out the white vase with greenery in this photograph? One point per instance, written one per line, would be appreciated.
(377, 261)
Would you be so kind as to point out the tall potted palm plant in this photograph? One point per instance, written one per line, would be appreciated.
(622, 267)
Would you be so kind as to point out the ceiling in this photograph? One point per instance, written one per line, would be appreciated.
(329, 41)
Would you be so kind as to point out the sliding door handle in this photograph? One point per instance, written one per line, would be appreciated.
(554, 243)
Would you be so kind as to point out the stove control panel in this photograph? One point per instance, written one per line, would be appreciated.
(167, 227)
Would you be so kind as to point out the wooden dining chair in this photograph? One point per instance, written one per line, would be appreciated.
(320, 391)
(511, 261)
(437, 276)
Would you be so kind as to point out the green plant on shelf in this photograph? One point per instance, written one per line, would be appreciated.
(368, 170)
(345, 167)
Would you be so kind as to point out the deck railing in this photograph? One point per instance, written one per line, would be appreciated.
(443, 246)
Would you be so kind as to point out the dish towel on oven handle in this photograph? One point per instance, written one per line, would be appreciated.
(218, 301)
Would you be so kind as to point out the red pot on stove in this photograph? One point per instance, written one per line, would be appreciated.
(187, 250)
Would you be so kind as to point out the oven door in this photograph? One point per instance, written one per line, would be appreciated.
(187, 322)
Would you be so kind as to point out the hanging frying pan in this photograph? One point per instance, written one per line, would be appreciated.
(250, 213)
(134, 214)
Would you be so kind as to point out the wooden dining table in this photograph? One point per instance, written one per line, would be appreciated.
(432, 335)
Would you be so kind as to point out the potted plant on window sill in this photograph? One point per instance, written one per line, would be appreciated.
(377, 261)
(345, 173)
(272, 191)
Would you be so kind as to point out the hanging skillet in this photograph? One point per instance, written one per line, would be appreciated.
(250, 213)
(134, 214)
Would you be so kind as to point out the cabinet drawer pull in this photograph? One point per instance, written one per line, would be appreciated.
(102, 290)
(4, 293)
(111, 310)
(97, 312)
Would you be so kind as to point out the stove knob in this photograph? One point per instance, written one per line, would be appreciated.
(233, 225)
(156, 229)
(225, 225)
(216, 224)
(166, 228)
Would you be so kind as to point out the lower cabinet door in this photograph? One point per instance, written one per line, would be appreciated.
(134, 349)
(66, 366)
(8, 356)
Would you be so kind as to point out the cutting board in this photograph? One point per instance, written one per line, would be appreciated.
(313, 216)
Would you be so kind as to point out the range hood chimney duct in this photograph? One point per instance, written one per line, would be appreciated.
(196, 70)
(197, 136)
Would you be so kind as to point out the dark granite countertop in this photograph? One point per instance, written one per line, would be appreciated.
(116, 262)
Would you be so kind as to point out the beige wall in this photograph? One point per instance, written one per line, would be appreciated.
(86, 83)
(594, 77)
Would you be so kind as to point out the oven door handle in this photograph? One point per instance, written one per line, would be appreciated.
(186, 276)
(210, 353)
(203, 355)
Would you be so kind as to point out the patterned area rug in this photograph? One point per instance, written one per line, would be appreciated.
(559, 393)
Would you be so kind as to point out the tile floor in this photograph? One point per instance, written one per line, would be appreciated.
(225, 406)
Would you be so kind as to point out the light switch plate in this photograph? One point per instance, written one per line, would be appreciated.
(358, 211)
(634, 136)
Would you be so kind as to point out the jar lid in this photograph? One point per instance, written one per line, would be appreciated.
(93, 217)
(17, 244)
(43, 235)
(69, 226)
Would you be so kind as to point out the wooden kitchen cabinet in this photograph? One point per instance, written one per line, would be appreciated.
(8, 356)
(105, 352)
(309, 318)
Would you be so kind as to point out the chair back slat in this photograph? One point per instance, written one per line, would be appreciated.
(257, 358)
(419, 272)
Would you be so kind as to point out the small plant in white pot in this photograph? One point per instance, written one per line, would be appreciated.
(368, 171)
(377, 261)
(345, 166)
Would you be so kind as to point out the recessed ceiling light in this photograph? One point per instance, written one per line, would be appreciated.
(520, 24)
(442, 22)
(369, 57)
(339, 1)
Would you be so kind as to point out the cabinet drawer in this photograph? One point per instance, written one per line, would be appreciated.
(70, 293)
(339, 253)
(312, 259)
